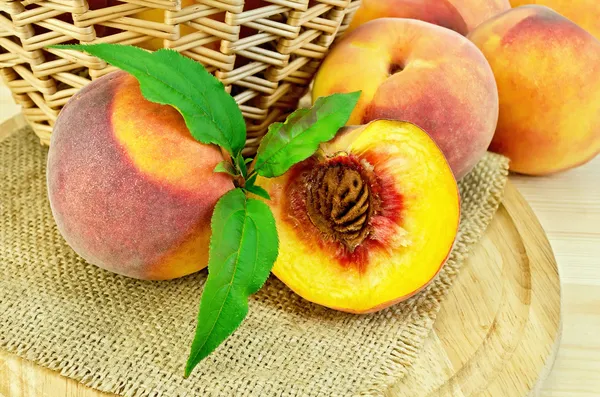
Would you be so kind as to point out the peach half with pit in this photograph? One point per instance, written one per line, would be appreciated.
(368, 221)
(127, 182)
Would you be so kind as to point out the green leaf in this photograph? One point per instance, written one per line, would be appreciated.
(241, 165)
(300, 136)
(251, 179)
(243, 248)
(259, 191)
(169, 78)
(225, 167)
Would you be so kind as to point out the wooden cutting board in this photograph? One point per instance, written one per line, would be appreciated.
(496, 335)
(498, 332)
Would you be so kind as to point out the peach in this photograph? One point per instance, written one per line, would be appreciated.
(585, 13)
(548, 80)
(415, 71)
(130, 189)
(368, 221)
(458, 15)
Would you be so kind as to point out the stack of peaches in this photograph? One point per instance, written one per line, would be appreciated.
(370, 219)
(474, 74)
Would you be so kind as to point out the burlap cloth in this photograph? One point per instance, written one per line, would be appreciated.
(132, 337)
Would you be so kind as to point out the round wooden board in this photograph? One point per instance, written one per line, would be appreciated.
(496, 335)
(498, 331)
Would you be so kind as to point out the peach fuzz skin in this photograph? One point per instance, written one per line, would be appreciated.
(459, 15)
(546, 68)
(411, 233)
(130, 189)
(585, 13)
(418, 72)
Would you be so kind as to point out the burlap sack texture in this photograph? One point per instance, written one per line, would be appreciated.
(132, 337)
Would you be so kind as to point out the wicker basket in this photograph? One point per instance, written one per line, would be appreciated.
(264, 51)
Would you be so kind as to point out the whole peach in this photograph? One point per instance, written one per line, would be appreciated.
(422, 73)
(548, 75)
(585, 13)
(130, 189)
(459, 15)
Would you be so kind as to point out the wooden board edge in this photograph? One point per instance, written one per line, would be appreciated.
(519, 210)
(10, 126)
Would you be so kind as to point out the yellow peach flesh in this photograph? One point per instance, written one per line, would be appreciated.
(418, 245)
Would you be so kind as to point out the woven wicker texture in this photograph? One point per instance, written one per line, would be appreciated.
(264, 51)
(132, 337)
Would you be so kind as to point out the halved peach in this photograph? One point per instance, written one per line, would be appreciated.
(368, 221)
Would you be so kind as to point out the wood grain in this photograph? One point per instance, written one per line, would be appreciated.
(495, 335)
(498, 331)
(568, 207)
(9, 126)
(8, 107)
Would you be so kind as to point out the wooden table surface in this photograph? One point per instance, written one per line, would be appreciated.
(568, 207)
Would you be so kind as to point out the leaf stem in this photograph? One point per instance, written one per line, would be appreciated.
(251, 174)
(239, 181)
(251, 168)
(226, 155)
